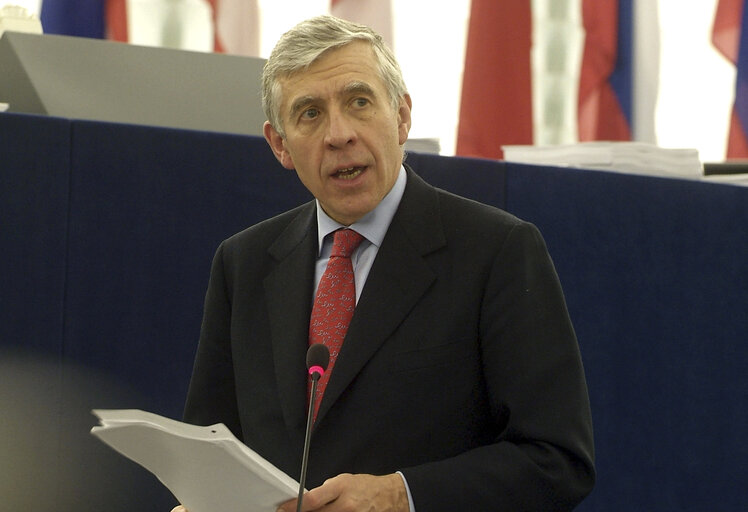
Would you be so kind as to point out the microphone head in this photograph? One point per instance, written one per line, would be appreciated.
(317, 358)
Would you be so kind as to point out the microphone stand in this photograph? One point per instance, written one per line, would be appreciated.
(305, 457)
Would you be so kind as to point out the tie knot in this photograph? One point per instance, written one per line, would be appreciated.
(345, 242)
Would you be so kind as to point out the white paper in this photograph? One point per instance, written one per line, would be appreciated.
(206, 468)
(628, 157)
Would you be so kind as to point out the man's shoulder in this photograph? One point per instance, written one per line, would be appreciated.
(465, 215)
(431, 216)
(459, 205)
(459, 208)
(262, 235)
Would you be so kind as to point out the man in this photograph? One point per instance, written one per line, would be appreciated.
(459, 384)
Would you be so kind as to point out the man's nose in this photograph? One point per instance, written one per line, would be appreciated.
(340, 130)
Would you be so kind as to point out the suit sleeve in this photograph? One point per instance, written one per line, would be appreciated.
(212, 396)
(542, 457)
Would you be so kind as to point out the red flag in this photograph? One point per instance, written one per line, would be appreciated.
(116, 20)
(496, 107)
(726, 28)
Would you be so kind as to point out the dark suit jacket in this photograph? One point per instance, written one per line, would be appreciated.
(460, 367)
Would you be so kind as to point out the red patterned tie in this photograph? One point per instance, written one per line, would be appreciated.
(334, 303)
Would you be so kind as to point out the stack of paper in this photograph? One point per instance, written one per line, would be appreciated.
(206, 468)
(17, 19)
(629, 157)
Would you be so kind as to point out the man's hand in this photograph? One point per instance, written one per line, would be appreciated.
(350, 493)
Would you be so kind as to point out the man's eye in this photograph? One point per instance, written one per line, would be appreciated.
(310, 113)
(360, 102)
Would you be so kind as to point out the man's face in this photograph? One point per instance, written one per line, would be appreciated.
(341, 133)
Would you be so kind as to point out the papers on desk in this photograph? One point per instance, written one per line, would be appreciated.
(206, 468)
(628, 157)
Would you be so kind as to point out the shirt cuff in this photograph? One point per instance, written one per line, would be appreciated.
(407, 489)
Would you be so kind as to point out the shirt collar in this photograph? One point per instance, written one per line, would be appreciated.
(373, 226)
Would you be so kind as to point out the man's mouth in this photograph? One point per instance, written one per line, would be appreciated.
(349, 173)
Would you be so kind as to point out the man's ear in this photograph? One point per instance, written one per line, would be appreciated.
(403, 117)
(278, 145)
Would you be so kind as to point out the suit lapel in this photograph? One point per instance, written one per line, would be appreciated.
(288, 288)
(396, 282)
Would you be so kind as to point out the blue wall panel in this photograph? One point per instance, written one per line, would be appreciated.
(107, 232)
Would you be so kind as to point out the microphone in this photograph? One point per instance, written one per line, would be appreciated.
(317, 359)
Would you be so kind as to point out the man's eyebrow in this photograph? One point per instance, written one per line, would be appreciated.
(356, 87)
(359, 88)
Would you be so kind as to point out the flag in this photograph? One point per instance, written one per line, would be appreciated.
(376, 14)
(83, 18)
(236, 26)
(97, 19)
(496, 103)
(605, 92)
(729, 38)
(116, 20)
(500, 75)
(236, 23)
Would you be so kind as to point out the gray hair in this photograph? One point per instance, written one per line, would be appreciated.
(301, 46)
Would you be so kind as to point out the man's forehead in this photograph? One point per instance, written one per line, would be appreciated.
(355, 60)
